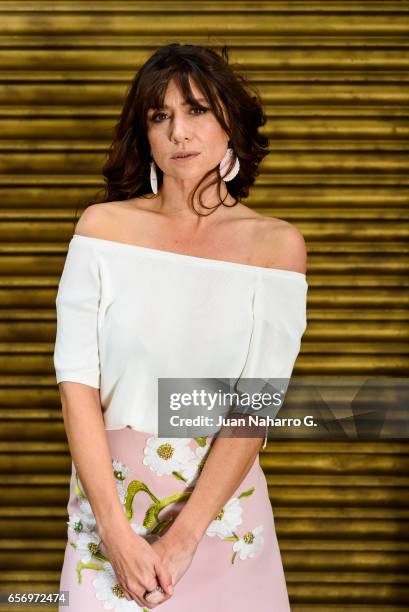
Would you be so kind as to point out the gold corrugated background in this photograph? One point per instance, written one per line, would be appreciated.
(334, 81)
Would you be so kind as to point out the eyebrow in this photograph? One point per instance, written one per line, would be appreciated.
(187, 103)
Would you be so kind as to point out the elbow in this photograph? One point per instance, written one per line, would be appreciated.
(72, 393)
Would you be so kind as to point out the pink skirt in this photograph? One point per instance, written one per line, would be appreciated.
(237, 565)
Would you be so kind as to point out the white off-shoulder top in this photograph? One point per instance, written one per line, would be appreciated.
(128, 314)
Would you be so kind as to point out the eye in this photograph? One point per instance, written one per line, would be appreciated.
(154, 117)
(201, 109)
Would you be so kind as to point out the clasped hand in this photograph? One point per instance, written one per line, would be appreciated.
(140, 566)
(176, 556)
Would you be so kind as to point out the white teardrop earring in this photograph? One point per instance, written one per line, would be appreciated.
(224, 164)
(154, 178)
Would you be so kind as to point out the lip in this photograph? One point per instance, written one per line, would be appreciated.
(190, 155)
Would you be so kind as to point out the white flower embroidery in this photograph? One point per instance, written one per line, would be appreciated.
(249, 543)
(227, 519)
(192, 470)
(86, 515)
(120, 487)
(87, 545)
(120, 470)
(110, 592)
(75, 523)
(85, 506)
(145, 533)
(139, 529)
(166, 455)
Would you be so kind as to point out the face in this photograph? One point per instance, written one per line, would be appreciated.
(180, 127)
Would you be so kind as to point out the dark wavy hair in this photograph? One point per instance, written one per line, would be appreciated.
(127, 169)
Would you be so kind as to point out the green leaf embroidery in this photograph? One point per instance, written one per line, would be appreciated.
(232, 538)
(247, 493)
(161, 526)
(81, 566)
(134, 487)
(152, 514)
(201, 441)
(149, 520)
(233, 557)
(77, 488)
(179, 476)
(100, 556)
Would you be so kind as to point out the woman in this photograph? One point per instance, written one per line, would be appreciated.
(154, 287)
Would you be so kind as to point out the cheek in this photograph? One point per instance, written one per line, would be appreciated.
(217, 142)
(216, 137)
(154, 137)
(158, 144)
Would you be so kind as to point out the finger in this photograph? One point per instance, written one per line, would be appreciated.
(127, 593)
(164, 578)
(131, 595)
(138, 597)
(151, 591)
(155, 598)
(139, 600)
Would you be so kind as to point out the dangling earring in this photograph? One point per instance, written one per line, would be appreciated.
(224, 164)
(154, 178)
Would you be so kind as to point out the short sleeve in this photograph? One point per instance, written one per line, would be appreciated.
(279, 322)
(76, 355)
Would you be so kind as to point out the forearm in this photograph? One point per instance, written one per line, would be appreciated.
(89, 449)
(227, 464)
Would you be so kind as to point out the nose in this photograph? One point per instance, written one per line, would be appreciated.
(178, 130)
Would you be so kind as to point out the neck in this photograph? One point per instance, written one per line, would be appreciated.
(173, 199)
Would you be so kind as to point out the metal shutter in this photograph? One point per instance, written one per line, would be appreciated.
(333, 77)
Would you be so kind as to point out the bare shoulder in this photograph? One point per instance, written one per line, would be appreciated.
(96, 220)
(282, 245)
